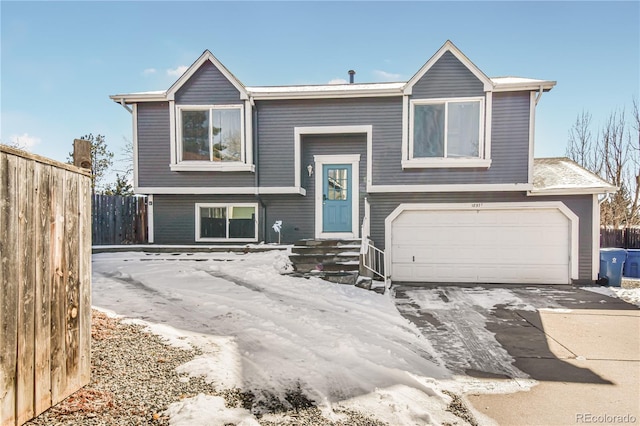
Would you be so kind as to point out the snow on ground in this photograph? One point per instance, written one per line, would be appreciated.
(629, 295)
(258, 329)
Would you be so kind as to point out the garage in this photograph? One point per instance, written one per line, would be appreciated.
(483, 243)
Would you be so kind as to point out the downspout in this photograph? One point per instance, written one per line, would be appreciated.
(256, 176)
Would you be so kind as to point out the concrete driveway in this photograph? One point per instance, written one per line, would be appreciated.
(581, 347)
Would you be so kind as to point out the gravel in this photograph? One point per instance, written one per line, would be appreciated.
(134, 380)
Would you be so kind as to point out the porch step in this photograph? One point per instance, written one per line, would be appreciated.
(326, 256)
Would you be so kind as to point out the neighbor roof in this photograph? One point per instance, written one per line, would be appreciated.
(564, 176)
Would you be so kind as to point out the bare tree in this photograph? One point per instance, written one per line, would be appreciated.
(614, 154)
(581, 147)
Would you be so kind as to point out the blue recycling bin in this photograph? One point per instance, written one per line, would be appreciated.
(611, 265)
(632, 264)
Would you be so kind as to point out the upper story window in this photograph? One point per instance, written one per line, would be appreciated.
(210, 137)
(447, 133)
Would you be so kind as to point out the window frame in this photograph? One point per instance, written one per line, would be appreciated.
(195, 165)
(482, 161)
(199, 238)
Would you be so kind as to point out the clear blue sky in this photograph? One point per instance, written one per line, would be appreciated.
(61, 60)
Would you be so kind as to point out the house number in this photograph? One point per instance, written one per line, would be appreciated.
(475, 205)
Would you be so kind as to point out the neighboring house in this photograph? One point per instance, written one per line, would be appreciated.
(438, 169)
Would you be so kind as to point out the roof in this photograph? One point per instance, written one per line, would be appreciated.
(497, 84)
(564, 176)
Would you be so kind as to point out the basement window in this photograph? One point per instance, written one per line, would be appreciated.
(226, 222)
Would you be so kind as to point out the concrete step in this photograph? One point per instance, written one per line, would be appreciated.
(327, 267)
(327, 242)
(353, 250)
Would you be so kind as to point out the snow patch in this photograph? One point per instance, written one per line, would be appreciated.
(208, 410)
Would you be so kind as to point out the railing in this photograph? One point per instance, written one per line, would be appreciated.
(373, 258)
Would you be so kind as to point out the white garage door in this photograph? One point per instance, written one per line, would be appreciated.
(481, 246)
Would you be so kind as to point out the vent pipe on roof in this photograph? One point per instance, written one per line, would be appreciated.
(351, 74)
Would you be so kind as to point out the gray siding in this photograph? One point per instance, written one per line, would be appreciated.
(208, 86)
(174, 216)
(509, 152)
(277, 119)
(383, 204)
(447, 78)
(154, 155)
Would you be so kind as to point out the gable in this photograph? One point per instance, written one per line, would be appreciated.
(449, 51)
(208, 86)
(448, 77)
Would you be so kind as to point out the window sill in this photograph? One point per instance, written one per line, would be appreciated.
(450, 163)
(226, 240)
(212, 167)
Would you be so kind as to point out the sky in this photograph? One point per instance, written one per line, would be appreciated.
(60, 61)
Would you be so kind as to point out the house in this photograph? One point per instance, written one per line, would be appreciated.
(437, 171)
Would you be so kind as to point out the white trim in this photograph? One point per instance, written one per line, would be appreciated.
(520, 87)
(208, 166)
(240, 190)
(135, 146)
(324, 130)
(333, 94)
(248, 134)
(571, 191)
(428, 161)
(227, 205)
(354, 161)
(481, 187)
(532, 127)
(150, 228)
(246, 147)
(450, 163)
(595, 238)
(206, 56)
(541, 205)
(448, 46)
(405, 128)
(488, 118)
(172, 133)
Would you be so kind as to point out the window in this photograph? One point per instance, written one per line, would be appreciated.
(210, 137)
(218, 222)
(446, 129)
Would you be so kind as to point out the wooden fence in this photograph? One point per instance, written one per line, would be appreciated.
(45, 283)
(627, 238)
(119, 220)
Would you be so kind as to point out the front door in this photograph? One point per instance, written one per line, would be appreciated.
(336, 198)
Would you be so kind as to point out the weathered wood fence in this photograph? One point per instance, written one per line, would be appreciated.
(627, 238)
(45, 283)
(119, 220)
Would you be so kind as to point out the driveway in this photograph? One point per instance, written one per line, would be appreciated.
(582, 349)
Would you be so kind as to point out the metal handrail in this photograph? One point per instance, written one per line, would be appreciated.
(373, 258)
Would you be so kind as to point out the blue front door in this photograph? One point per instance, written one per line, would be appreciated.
(336, 198)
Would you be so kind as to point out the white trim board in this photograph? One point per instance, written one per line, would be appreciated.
(573, 219)
(199, 238)
(448, 46)
(481, 187)
(354, 161)
(239, 190)
(206, 56)
(299, 132)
